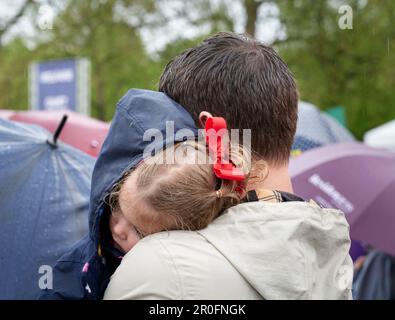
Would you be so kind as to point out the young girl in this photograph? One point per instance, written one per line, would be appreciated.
(273, 246)
(176, 189)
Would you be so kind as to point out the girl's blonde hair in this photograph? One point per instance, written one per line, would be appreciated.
(183, 185)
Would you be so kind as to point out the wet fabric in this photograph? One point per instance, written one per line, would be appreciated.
(44, 200)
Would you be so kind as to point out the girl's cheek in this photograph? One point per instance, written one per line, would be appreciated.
(132, 241)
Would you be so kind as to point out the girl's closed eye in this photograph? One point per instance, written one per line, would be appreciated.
(138, 232)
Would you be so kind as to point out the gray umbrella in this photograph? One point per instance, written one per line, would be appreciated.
(316, 128)
(44, 196)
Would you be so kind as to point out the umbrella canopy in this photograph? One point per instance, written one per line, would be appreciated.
(44, 198)
(6, 114)
(356, 179)
(81, 132)
(315, 128)
(382, 136)
(303, 144)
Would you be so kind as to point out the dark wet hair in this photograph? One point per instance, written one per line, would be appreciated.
(242, 80)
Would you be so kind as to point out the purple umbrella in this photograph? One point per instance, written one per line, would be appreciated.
(356, 179)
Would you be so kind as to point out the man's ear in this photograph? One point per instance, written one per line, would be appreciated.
(203, 116)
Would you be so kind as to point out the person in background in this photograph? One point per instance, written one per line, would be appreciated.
(374, 276)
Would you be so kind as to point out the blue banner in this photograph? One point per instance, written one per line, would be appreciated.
(56, 83)
(60, 84)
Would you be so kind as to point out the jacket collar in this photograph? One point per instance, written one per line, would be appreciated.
(271, 196)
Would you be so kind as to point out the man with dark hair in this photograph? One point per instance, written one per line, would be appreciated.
(274, 246)
(242, 80)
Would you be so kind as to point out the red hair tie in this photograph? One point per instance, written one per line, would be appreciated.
(216, 131)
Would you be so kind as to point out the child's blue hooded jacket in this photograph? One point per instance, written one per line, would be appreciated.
(85, 270)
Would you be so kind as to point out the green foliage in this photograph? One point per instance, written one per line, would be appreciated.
(14, 62)
(90, 30)
(353, 68)
(176, 47)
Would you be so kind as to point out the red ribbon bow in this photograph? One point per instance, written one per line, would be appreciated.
(216, 131)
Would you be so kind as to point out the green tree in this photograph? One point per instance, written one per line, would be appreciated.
(351, 67)
(98, 32)
(14, 62)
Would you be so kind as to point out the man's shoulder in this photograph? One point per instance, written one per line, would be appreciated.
(149, 270)
(170, 265)
(175, 252)
(172, 243)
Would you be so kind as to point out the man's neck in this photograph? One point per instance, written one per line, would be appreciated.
(277, 178)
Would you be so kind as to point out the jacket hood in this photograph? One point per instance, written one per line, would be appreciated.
(139, 124)
(289, 250)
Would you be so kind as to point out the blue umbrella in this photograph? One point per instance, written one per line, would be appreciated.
(303, 144)
(44, 197)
